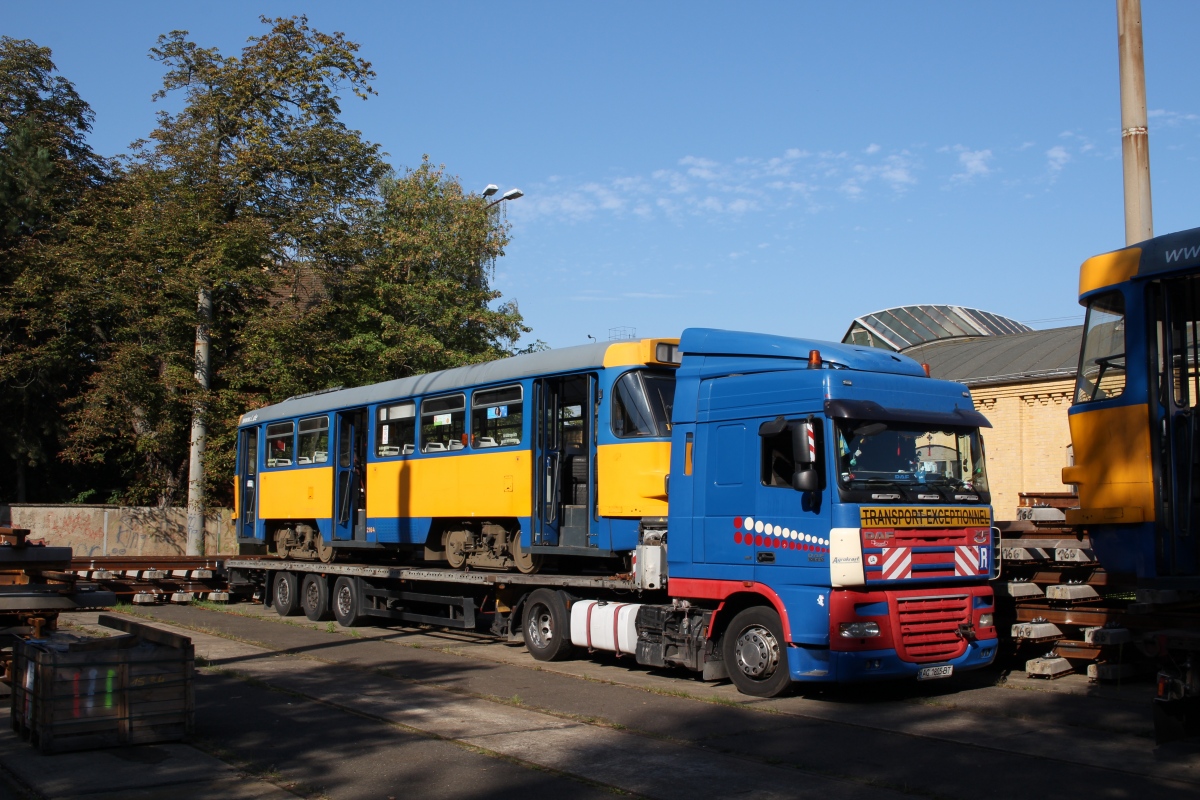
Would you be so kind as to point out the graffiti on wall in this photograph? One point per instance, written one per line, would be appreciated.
(122, 531)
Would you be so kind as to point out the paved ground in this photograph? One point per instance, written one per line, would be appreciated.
(378, 713)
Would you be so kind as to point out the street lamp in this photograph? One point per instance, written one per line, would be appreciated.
(511, 194)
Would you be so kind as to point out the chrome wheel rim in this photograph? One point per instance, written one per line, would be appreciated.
(757, 652)
(283, 592)
(541, 626)
(344, 601)
(313, 595)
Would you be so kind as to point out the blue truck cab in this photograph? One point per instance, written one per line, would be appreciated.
(829, 505)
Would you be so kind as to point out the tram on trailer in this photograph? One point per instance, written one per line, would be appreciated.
(497, 465)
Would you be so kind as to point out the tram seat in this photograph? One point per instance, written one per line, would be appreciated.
(456, 446)
(408, 448)
(433, 447)
(486, 441)
(389, 450)
(508, 439)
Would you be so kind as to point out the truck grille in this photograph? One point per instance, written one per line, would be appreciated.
(929, 627)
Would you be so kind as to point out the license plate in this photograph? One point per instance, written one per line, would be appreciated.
(929, 673)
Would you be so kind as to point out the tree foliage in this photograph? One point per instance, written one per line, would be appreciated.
(325, 267)
(46, 167)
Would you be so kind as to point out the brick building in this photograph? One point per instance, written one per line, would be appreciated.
(1020, 379)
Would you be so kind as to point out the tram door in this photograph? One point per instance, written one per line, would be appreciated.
(248, 455)
(1179, 395)
(564, 483)
(350, 487)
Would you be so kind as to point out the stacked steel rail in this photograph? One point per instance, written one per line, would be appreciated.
(156, 579)
(1067, 614)
(36, 583)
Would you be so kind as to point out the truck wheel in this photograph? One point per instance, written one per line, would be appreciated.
(755, 654)
(547, 626)
(285, 594)
(314, 596)
(347, 602)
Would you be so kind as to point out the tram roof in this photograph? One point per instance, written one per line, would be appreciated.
(566, 359)
(1169, 253)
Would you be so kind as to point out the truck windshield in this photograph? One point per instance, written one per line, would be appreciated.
(889, 454)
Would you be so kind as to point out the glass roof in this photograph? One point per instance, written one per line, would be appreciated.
(905, 326)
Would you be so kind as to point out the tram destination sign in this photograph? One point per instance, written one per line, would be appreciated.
(923, 517)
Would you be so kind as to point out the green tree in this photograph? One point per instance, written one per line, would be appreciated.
(46, 167)
(253, 185)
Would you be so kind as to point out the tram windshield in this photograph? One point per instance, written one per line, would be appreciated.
(642, 402)
(1102, 356)
(887, 454)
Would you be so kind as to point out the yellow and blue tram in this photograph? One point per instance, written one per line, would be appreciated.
(1134, 427)
(561, 452)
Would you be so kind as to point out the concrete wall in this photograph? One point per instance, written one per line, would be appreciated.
(95, 530)
(1029, 442)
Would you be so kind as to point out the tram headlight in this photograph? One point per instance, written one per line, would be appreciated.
(858, 630)
(985, 620)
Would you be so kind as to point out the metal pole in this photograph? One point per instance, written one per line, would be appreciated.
(195, 502)
(1135, 140)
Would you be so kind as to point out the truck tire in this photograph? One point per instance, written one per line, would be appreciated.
(314, 596)
(547, 626)
(755, 653)
(285, 594)
(347, 602)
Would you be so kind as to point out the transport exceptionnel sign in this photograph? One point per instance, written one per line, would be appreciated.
(923, 517)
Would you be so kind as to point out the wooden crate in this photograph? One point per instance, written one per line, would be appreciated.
(130, 689)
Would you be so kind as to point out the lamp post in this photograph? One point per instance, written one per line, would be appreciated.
(511, 194)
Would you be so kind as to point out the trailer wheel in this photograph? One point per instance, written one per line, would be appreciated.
(314, 596)
(347, 602)
(547, 626)
(755, 653)
(285, 593)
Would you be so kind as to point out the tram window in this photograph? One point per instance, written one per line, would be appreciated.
(396, 432)
(1102, 356)
(313, 447)
(443, 423)
(280, 444)
(496, 417)
(642, 403)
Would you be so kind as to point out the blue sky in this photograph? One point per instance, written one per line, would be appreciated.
(777, 167)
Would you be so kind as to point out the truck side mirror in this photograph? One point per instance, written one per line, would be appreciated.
(805, 480)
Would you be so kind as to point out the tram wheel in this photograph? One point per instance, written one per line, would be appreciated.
(456, 541)
(527, 563)
(325, 551)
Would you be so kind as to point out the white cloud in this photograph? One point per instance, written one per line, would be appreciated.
(972, 163)
(872, 149)
(1057, 158)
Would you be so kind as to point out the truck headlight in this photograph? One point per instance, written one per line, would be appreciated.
(985, 620)
(858, 630)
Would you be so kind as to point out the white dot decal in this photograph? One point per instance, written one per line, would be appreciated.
(749, 523)
(808, 538)
(758, 526)
(778, 531)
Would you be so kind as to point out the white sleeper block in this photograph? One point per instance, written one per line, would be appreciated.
(181, 597)
(1036, 632)
(1071, 591)
(1048, 667)
(1020, 589)
(145, 598)
(1110, 672)
(1107, 636)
